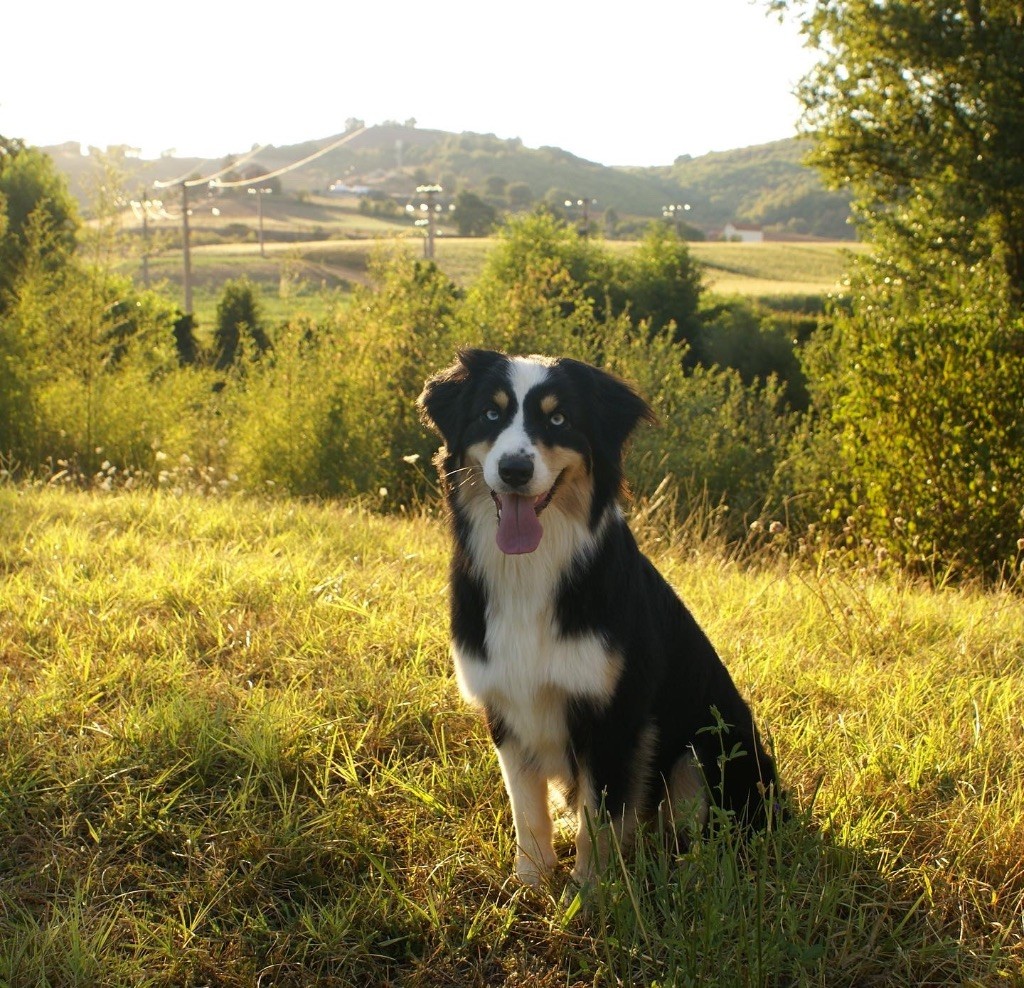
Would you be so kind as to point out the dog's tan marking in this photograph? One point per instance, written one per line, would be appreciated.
(548, 404)
(687, 794)
(500, 398)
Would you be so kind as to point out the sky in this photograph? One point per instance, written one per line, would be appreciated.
(626, 83)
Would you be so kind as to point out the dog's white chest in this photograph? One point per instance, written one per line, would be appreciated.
(532, 670)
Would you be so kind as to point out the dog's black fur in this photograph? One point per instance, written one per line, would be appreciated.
(636, 706)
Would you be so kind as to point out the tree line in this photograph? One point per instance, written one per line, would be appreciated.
(888, 426)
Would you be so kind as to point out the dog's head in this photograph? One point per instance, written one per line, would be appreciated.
(530, 432)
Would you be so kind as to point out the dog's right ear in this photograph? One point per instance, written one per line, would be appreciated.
(442, 402)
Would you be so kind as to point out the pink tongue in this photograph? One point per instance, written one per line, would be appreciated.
(519, 529)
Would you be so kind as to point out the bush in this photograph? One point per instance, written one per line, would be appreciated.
(239, 314)
(87, 370)
(660, 283)
(330, 408)
(333, 411)
(287, 416)
(720, 441)
(920, 399)
(741, 335)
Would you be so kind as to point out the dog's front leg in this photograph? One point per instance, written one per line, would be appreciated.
(527, 791)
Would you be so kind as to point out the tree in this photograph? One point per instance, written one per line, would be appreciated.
(660, 282)
(520, 195)
(238, 312)
(918, 109)
(31, 186)
(185, 343)
(473, 216)
(497, 186)
(540, 246)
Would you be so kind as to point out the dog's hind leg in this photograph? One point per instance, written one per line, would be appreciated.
(686, 806)
(597, 831)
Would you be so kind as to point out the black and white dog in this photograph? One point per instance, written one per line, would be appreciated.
(594, 676)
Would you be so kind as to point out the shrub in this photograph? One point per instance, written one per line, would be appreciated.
(921, 399)
(399, 331)
(287, 416)
(740, 334)
(539, 248)
(239, 314)
(660, 283)
(333, 411)
(719, 440)
(86, 369)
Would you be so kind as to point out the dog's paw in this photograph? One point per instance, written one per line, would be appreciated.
(531, 870)
(583, 875)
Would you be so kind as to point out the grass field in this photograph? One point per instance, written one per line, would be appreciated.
(775, 268)
(311, 271)
(233, 754)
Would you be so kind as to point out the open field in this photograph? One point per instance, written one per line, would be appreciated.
(308, 269)
(775, 268)
(233, 754)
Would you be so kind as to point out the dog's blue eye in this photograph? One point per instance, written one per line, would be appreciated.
(492, 415)
(557, 419)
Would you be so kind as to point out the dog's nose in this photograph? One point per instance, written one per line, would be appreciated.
(516, 470)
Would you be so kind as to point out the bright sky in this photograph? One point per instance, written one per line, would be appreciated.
(626, 83)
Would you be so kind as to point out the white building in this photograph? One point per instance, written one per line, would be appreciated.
(744, 233)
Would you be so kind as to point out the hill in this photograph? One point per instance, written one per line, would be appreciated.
(766, 184)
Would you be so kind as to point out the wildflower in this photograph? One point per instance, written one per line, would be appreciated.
(756, 526)
(412, 458)
(383, 492)
(776, 527)
(1020, 545)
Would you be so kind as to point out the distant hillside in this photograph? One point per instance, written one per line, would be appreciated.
(767, 185)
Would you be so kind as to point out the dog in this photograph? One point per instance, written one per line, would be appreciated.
(594, 678)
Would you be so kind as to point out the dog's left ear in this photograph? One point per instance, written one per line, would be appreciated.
(617, 407)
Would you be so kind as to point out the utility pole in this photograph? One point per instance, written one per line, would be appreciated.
(430, 207)
(143, 205)
(259, 193)
(674, 212)
(584, 204)
(145, 248)
(185, 249)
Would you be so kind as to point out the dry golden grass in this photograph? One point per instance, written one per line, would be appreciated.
(233, 754)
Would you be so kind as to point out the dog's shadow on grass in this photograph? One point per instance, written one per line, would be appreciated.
(790, 906)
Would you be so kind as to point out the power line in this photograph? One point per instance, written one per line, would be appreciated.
(185, 185)
(184, 180)
(231, 166)
(344, 139)
(180, 179)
